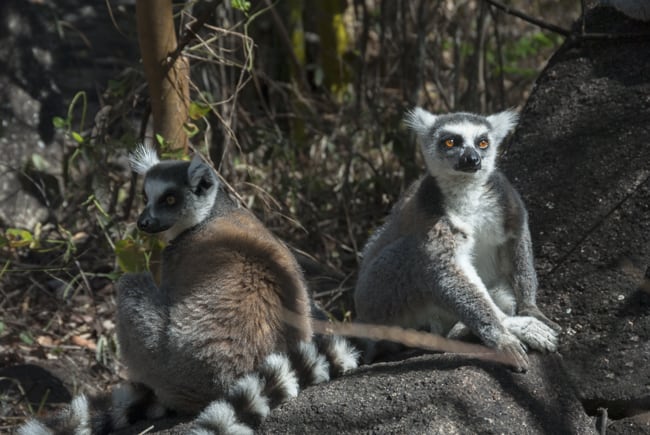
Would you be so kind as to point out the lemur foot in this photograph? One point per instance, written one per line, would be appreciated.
(514, 350)
(536, 313)
(460, 331)
(533, 332)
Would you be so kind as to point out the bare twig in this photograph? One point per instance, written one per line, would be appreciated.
(567, 33)
(596, 225)
(536, 21)
(190, 33)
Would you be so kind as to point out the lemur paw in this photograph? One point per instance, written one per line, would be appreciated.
(514, 350)
(533, 332)
(536, 313)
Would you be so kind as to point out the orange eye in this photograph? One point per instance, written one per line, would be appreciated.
(449, 143)
(483, 144)
(170, 200)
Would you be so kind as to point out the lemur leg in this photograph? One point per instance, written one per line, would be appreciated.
(524, 280)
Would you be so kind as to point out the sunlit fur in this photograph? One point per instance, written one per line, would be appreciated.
(143, 158)
(212, 338)
(455, 253)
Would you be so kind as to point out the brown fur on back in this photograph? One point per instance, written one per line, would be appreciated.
(225, 286)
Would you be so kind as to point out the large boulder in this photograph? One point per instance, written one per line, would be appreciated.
(581, 158)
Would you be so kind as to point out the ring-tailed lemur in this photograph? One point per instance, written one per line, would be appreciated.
(455, 254)
(211, 339)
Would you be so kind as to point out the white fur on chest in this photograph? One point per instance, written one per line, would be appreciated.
(479, 216)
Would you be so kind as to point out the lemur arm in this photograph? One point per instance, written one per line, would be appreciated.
(456, 283)
(524, 278)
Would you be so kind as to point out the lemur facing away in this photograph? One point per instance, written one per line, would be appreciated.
(212, 338)
(455, 254)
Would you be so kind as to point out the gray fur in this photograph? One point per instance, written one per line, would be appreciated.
(192, 186)
(212, 337)
(455, 254)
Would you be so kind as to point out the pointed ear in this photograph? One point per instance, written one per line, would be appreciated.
(420, 121)
(502, 123)
(143, 158)
(200, 175)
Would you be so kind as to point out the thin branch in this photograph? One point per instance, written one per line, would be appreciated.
(539, 23)
(567, 33)
(189, 35)
(596, 225)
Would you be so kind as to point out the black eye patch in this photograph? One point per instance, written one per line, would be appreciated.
(170, 198)
(449, 141)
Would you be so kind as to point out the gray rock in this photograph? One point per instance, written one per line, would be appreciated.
(580, 156)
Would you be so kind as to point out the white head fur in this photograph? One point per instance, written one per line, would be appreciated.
(143, 158)
(431, 128)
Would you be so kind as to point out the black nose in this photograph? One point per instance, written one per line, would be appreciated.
(469, 161)
(147, 224)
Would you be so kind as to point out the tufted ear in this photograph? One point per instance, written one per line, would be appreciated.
(420, 121)
(200, 175)
(502, 123)
(143, 158)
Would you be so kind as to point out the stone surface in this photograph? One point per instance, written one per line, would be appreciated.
(580, 156)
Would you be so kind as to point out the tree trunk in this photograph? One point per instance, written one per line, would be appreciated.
(168, 84)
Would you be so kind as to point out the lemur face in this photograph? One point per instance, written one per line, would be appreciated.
(166, 196)
(177, 194)
(460, 144)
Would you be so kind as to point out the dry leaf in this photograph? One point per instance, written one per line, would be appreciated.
(83, 342)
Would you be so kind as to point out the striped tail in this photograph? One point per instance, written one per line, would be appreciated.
(252, 397)
(99, 415)
(245, 406)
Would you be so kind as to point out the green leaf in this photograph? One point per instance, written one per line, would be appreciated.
(178, 154)
(60, 122)
(130, 255)
(26, 338)
(18, 238)
(190, 129)
(161, 140)
(77, 137)
(39, 162)
(2, 327)
(241, 5)
(198, 110)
